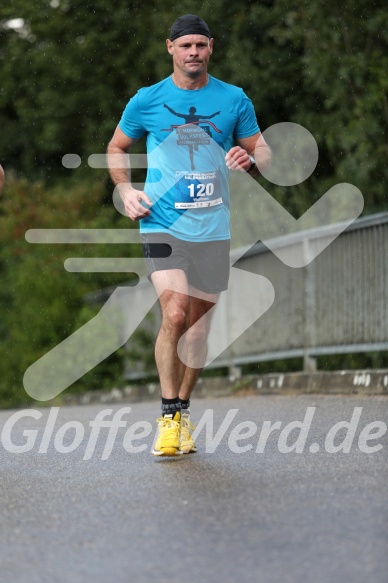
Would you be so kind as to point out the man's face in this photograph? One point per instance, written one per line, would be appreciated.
(191, 53)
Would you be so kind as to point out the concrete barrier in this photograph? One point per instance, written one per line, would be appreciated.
(344, 382)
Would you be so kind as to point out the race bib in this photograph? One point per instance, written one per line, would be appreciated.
(197, 189)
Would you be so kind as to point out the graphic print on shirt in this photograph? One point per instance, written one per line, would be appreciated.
(187, 136)
(195, 190)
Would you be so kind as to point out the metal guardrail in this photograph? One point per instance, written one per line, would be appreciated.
(337, 304)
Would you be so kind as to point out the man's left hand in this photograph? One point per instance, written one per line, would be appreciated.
(238, 159)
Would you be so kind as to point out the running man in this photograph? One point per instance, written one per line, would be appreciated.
(186, 212)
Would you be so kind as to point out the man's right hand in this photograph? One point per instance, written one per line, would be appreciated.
(132, 200)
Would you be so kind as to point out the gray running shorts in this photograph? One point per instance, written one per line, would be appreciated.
(206, 264)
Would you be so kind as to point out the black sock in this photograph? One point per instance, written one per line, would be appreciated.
(170, 406)
(185, 403)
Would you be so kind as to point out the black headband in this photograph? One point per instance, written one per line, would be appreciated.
(189, 24)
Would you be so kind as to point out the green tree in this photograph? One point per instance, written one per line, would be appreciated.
(67, 74)
(41, 303)
(67, 69)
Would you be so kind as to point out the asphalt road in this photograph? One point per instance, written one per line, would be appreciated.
(215, 516)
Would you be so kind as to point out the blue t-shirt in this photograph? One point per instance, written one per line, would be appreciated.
(188, 133)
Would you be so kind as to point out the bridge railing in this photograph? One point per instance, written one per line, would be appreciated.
(337, 304)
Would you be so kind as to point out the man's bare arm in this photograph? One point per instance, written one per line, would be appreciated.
(256, 146)
(120, 172)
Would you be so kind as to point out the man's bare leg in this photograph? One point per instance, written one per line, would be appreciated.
(172, 289)
(193, 350)
(196, 337)
(182, 306)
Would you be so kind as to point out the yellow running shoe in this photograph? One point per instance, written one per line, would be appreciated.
(169, 437)
(187, 441)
